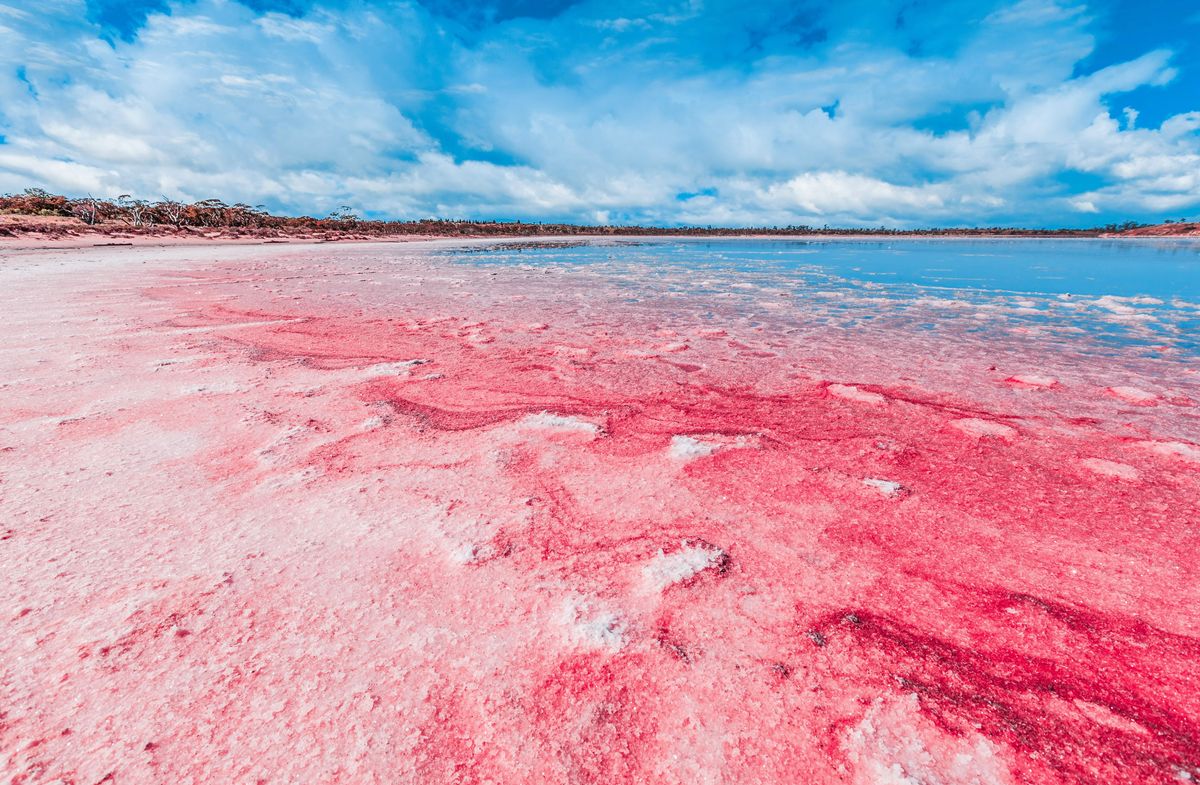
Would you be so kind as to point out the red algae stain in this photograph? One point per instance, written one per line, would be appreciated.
(468, 527)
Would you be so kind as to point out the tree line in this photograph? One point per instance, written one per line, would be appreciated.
(144, 216)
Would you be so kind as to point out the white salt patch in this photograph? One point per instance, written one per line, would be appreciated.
(180, 360)
(1033, 380)
(214, 388)
(1102, 715)
(1110, 468)
(667, 569)
(399, 368)
(591, 627)
(270, 454)
(371, 423)
(888, 488)
(232, 326)
(687, 448)
(894, 744)
(851, 393)
(973, 426)
(559, 422)
(571, 351)
(1188, 452)
(1132, 394)
(472, 553)
(939, 302)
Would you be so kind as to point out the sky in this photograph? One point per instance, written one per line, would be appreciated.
(902, 113)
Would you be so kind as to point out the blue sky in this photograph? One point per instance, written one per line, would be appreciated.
(856, 112)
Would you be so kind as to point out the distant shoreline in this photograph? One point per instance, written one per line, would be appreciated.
(32, 241)
(40, 218)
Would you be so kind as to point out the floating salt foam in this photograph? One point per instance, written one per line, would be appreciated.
(888, 488)
(666, 569)
(559, 422)
(851, 393)
(1132, 394)
(1120, 471)
(1121, 305)
(591, 627)
(1188, 452)
(973, 426)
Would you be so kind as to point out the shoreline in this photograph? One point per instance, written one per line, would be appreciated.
(36, 242)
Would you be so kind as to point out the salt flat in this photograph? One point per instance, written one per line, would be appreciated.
(382, 513)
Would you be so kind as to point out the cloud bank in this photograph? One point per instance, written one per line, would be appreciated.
(863, 112)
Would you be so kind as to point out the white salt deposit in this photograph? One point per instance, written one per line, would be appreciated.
(398, 368)
(558, 422)
(687, 448)
(894, 744)
(1188, 452)
(973, 426)
(667, 569)
(591, 627)
(851, 393)
(1132, 394)
(371, 423)
(1106, 468)
(1033, 380)
(888, 488)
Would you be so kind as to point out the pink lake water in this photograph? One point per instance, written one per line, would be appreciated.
(664, 512)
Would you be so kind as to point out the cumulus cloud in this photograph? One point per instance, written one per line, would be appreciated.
(861, 112)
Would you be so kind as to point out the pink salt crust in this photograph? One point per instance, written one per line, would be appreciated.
(363, 515)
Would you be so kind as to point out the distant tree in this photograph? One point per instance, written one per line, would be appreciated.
(172, 211)
(135, 212)
(86, 210)
(344, 214)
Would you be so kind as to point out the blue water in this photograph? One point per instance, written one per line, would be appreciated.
(1132, 294)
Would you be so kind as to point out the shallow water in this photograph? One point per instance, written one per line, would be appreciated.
(1143, 295)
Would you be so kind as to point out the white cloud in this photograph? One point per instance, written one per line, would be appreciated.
(839, 193)
(388, 109)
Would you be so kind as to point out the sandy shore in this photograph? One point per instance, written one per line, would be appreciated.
(355, 513)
